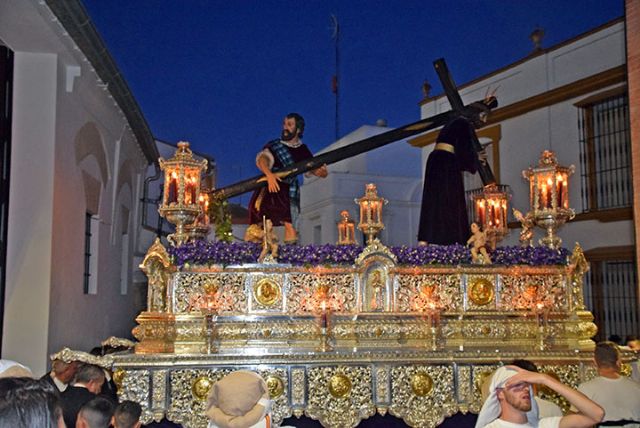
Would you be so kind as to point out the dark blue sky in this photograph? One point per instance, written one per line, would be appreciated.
(222, 74)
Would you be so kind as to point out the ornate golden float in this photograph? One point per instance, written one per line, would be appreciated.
(342, 342)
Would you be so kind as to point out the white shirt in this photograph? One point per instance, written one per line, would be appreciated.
(620, 398)
(553, 422)
(547, 408)
(61, 386)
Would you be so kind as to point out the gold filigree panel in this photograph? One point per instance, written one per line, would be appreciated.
(443, 290)
(298, 386)
(303, 286)
(423, 395)
(341, 396)
(382, 385)
(189, 287)
(528, 292)
(135, 387)
(158, 398)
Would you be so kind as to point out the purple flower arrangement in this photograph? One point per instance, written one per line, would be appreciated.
(236, 253)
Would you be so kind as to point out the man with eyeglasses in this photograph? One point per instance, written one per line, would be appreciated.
(510, 403)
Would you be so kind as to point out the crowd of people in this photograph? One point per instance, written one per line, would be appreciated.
(80, 394)
(73, 394)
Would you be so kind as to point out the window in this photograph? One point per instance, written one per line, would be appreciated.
(605, 147)
(90, 283)
(611, 292)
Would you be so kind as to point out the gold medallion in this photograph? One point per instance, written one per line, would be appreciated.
(421, 383)
(267, 292)
(275, 386)
(339, 385)
(481, 291)
(200, 388)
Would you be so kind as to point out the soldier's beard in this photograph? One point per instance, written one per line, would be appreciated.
(287, 136)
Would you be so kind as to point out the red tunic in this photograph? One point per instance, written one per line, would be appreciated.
(276, 206)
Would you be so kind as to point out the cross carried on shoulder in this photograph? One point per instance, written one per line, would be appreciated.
(451, 91)
(471, 112)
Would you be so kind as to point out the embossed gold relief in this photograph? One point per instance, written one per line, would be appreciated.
(190, 286)
(135, 387)
(118, 377)
(382, 387)
(569, 374)
(421, 384)
(532, 291)
(481, 291)
(298, 384)
(302, 295)
(276, 379)
(578, 266)
(275, 385)
(267, 292)
(352, 402)
(339, 385)
(156, 265)
(185, 407)
(444, 289)
(426, 409)
(200, 388)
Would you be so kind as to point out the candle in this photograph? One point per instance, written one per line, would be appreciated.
(560, 189)
(481, 213)
(323, 315)
(543, 196)
(173, 189)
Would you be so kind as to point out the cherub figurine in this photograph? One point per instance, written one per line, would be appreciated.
(526, 234)
(478, 243)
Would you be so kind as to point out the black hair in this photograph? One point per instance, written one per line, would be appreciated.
(27, 403)
(299, 122)
(97, 412)
(127, 414)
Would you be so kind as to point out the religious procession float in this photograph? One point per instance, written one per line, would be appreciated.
(342, 332)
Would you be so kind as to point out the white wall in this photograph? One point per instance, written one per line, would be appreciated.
(57, 97)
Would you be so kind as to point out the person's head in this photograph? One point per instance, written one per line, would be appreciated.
(517, 397)
(529, 366)
(474, 227)
(9, 368)
(607, 356)
(508, 400)
(91, 376)
(64, 372)
(27, 403)
(95, 413)
(292, 127)
(127, 415)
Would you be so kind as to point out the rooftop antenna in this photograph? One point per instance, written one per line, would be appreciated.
(335, 80)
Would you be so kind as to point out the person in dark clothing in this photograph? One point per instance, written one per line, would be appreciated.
(88, 383)
(443, 216)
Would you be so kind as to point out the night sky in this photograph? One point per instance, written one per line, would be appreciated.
(222, 74)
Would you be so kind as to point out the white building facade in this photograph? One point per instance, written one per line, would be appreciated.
(76, 148)
(396, 171)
